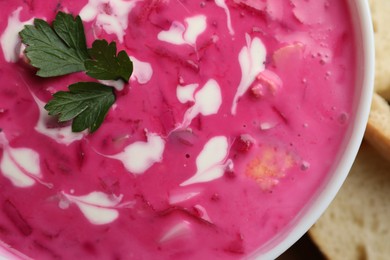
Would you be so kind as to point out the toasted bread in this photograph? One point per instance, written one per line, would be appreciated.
(378, 126)
(356, 225)
(380, 10)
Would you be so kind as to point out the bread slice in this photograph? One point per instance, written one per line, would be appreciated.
(357, 223)
(378, 126)
(380, 10)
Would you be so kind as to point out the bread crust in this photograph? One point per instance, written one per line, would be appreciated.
(378, 126)
(381, 20)
(356, 224)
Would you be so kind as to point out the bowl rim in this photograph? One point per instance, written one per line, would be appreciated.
(320, 203)
(324, 198)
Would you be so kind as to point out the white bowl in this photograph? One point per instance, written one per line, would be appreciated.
(365, 53)
(362, 100)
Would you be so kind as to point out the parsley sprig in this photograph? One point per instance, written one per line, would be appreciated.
(61, 49)
(86, 102)
(106, 64)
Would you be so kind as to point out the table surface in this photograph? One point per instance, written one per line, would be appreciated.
(302, 249)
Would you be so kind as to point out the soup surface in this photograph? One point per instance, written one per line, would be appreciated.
(234, 114)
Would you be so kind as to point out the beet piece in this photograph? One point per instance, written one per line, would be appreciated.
(243, 143)
(281, 115)
(3, 112)
(47, 166)
(45, 249)
(183, 137)
(16, 218)
(80, 155)
(192, 213)
(182, 60)
(236, 246)
(148, 7)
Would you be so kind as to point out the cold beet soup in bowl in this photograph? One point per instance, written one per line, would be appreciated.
(174, 129)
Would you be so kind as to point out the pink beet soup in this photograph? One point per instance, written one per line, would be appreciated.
(234, 115)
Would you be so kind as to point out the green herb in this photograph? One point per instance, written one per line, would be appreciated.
(106, 64)
(60, 50)
(87, 103)
(57, 51)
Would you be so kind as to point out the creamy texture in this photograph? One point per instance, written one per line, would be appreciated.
(232, 118)
(140, 156)
(179, 33)
(209, 163)
(222, 4)
(251, 59)
(98, 207)
(207, 101)
(110, 15)
(20, 165)
(9, 39)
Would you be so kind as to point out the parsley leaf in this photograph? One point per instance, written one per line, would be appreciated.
(61, 49)
(71, 31)
(105, 64)
(87, 103)
(56, 52)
